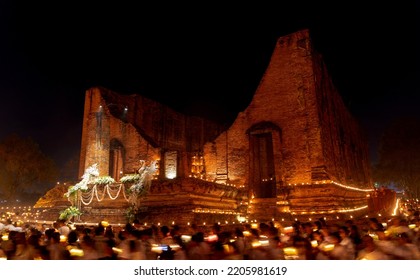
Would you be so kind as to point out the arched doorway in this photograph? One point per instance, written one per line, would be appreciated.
(262, 164)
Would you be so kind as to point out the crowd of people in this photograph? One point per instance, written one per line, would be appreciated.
(354, 239)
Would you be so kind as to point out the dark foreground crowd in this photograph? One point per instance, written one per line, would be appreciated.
(398, 239)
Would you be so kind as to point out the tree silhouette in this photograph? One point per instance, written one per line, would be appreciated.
(69, 173)
(399, 156)
(23, 167)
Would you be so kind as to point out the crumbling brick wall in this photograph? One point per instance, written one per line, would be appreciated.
(316, 133)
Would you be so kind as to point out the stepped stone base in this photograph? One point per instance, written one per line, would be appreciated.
(187, 200)
(326, 200)
(194, 201)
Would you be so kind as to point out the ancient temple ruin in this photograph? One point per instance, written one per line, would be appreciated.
(295, 151)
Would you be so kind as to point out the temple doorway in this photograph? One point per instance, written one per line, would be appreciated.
(262, 165)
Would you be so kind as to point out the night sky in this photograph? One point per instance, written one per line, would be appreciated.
(205, 60)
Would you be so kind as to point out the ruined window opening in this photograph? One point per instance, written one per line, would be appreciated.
(171, 164)
(197, 165)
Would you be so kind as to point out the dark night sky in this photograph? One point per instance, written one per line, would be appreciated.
(194, 59)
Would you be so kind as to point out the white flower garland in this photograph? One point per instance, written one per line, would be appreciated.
(141, 183)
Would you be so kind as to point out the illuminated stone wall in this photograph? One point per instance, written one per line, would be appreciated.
(344, 144)
(295, 136)
(314, 137)
(100, 127)
(145, 129)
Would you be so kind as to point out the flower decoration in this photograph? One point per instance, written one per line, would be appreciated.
(104, 180)
(69, 213)
(130, 178)
(90, 172)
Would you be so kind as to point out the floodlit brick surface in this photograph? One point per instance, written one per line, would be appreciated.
(283, 152)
